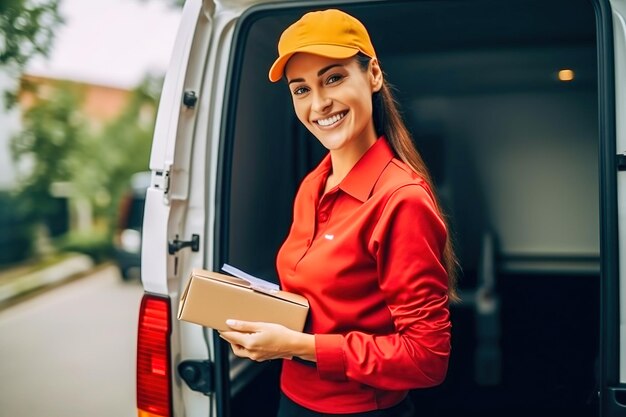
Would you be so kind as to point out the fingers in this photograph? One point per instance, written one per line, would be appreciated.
(242, 326)
(243, 352)
(235, 338)
(256, 340)
(241, 332)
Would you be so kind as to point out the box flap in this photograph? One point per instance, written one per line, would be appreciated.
(292, 298)
(203, 273)
(240, 282)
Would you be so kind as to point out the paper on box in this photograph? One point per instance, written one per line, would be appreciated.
(210, 298)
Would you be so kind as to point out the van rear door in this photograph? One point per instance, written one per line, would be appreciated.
(176, 215)
(612, 88)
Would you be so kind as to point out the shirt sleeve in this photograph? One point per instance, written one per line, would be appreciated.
(408, 243)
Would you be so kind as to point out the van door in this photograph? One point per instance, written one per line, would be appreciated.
(612, 88)
(176, 216)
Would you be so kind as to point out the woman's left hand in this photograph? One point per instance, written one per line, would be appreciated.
(261, 341)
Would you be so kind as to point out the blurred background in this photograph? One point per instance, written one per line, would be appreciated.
(79, 90)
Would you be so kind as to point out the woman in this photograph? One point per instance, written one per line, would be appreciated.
(368, 245)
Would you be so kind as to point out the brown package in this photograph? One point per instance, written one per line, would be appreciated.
(210, 298)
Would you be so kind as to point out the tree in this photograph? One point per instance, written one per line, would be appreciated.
(122, 148)
(58, 145)
(53, 136)
(27, 30)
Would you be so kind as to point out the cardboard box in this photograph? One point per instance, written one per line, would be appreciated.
(210, 298)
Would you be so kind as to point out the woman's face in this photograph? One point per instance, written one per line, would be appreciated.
(333, 99)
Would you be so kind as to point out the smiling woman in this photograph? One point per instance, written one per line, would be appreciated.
(333, 100)
(379, 323)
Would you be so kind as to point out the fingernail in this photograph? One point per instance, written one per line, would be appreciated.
(231, 322)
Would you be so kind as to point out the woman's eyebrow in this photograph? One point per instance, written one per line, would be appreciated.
(296, 80)
(319, 73)
(323, 70)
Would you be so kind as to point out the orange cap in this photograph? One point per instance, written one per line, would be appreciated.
(330, 33)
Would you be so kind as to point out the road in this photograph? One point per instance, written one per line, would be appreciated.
(71, 351)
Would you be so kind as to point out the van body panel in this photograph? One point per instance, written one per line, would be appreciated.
(619, 39)
(208, 71)
(156, 265)
(186, 148)
(164, 141)
(177, 200)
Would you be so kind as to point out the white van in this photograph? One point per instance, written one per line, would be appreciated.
(518, 108)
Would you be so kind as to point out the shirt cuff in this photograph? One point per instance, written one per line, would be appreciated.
(330, 357)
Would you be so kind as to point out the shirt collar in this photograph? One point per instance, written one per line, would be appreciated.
(363, 176)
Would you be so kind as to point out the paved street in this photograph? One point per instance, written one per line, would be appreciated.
(71, 351)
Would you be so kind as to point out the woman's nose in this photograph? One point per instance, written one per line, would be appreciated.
(321, 103)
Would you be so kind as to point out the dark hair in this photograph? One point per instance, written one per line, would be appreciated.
(388, 122)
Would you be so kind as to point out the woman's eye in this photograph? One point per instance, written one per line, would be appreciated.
(333, 79)
(300, 90)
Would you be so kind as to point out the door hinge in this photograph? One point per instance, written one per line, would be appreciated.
(621, 161)
(176, 244)
(161, 180)
(198, 375)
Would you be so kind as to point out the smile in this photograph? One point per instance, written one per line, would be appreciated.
(331, 120)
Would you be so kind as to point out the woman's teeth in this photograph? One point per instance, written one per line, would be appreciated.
(331, 120)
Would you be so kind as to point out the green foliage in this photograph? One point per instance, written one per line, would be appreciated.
(50, 145)
(57, 145)
(98, 246)
(123, 148)
(27, 30)
(17, 230)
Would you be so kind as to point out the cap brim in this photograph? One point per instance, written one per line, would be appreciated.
(328, 51)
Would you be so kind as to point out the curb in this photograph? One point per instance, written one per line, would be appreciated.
(54, 274)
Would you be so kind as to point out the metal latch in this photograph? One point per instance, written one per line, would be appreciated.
(198, 375)
(176, 244)
(621, 162)
(190, 99)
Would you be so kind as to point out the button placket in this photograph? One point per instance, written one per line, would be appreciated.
(324, 209)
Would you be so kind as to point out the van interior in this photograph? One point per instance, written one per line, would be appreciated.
(501, 98)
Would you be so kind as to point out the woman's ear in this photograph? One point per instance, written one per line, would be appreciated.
(375, 75)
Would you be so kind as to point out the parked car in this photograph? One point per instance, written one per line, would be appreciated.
(127, 241)
(527, 163)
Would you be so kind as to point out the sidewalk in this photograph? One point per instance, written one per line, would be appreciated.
(21, 280)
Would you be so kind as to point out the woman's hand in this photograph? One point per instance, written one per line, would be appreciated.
(265, 341)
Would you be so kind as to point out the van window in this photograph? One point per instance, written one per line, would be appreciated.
(513, 149)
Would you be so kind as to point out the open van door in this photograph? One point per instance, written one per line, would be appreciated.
(612, 89)
(175, 221)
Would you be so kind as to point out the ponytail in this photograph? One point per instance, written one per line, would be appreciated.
(388, 122)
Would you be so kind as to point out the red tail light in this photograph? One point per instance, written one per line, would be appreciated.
(154, 393)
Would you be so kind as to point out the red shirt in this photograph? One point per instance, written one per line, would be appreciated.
(368, 257)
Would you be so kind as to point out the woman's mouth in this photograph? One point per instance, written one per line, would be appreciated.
(331, 120)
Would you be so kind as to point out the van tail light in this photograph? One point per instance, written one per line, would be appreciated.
(154, 376)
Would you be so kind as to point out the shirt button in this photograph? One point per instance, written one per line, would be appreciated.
(323, 216)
